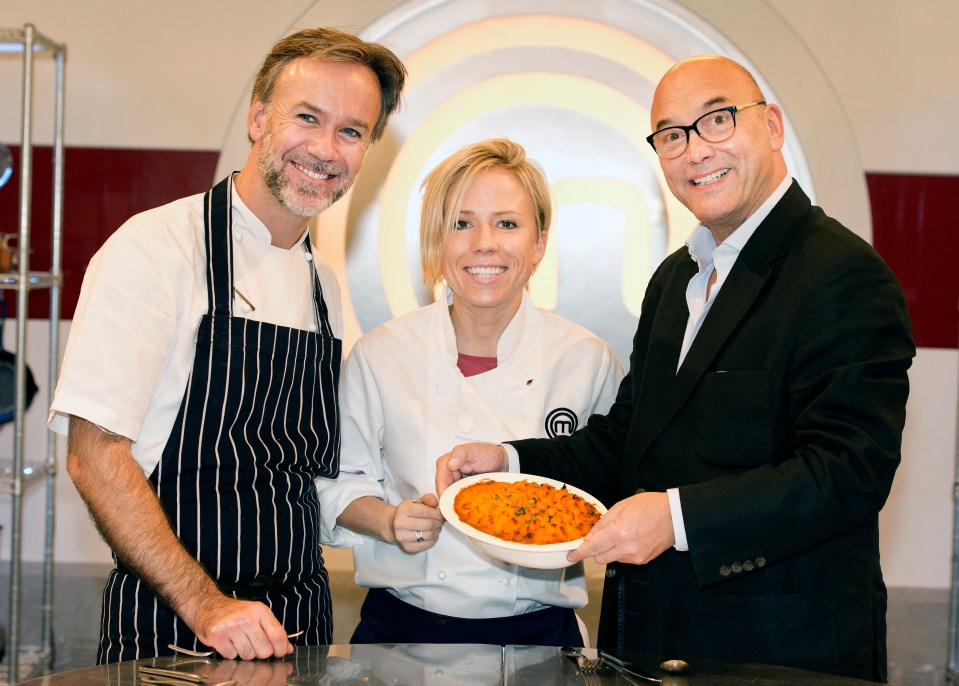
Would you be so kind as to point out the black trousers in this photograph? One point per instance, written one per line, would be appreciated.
(384, 618)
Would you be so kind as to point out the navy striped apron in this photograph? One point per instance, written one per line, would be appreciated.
(258, 422)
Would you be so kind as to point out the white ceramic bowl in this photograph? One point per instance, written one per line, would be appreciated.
(548, 556)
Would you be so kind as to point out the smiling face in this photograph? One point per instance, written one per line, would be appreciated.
(494, 248)
(722, 184)
(311, 138)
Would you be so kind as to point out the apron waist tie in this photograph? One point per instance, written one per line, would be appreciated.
(254, 589)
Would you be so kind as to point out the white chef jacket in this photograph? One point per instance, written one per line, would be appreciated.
(404, 402)
(133, 336)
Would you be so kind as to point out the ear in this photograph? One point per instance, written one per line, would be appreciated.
(777, 128)
(539, 249)
(256, 120)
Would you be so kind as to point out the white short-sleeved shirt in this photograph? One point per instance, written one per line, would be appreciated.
(133, 337)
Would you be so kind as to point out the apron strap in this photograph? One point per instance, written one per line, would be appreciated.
(320, 311)
(218, 210)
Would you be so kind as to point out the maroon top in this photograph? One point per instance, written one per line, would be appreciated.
(470, 365)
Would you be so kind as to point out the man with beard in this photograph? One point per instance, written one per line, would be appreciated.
(199, 381)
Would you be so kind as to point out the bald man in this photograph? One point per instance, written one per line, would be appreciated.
(755, 439)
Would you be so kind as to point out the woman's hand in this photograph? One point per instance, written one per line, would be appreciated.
(416, 524)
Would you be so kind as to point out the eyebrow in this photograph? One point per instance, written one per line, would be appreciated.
(497, 213)
(706, 107)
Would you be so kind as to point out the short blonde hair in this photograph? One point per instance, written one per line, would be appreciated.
(445, 187)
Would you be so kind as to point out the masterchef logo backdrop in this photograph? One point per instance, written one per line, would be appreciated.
(575, 91)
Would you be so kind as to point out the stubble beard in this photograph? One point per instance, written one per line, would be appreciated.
(305, 199)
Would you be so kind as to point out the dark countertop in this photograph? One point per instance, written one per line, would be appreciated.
(423, 664)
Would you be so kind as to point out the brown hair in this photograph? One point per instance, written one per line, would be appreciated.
(331, 45)
(445, 187)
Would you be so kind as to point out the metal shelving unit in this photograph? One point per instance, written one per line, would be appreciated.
(16, 476)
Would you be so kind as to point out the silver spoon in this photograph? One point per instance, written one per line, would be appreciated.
(674, 666)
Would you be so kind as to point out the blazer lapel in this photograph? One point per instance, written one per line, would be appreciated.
(665, 339)
(738, 294)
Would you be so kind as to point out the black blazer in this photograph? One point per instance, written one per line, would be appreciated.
(782, 431)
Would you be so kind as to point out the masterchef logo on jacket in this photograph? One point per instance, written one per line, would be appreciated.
(561, 422)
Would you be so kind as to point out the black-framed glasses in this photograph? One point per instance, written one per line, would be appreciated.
(712, 127)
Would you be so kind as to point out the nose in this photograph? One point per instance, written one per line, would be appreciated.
(322, 144)
(697, 148)
(484, 238)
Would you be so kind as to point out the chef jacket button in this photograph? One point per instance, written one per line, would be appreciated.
(725, 570)
(441, 576)
(737, 568)
(467, 425)
(748, 565)
(439, 388)
(312, 327)
(440, 673)
(760, 561)
(238, 236)
(610, 572)
(308, 256)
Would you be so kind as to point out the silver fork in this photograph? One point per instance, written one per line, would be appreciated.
(587, 666)
(583, 663)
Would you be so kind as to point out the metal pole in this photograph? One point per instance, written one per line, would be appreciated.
(56, 252)
(26, 163)
(952, 672)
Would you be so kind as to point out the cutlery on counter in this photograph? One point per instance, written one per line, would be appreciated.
(191, 677)
(583, 663)
(674, 666)
(208, 653)
(627, 667)
(170, 681)
(174, 677)
(191, 653)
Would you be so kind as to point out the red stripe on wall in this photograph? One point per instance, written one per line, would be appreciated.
(914, 222)
(102, 188)
(914, 227)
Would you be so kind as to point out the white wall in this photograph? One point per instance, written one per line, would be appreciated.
(173, 75)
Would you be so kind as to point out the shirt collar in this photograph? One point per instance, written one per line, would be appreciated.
(246, 221)
(701, 242)
(509, 340)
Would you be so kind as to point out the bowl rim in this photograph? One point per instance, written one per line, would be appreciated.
(449, 495)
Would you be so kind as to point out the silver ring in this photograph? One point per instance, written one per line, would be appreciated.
(419, 536)
(417, 501)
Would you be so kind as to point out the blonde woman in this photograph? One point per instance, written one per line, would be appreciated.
(482, 363)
